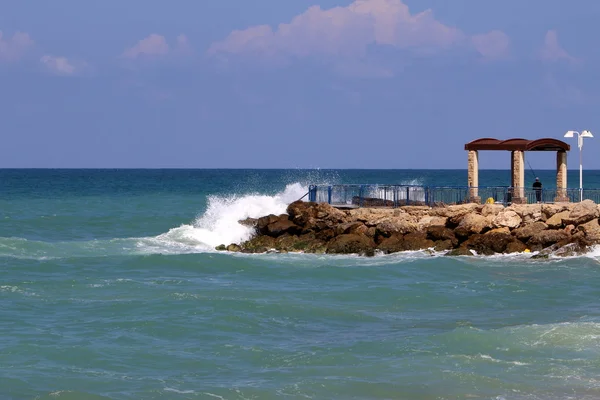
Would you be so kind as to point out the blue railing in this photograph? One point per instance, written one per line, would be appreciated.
(370, 195)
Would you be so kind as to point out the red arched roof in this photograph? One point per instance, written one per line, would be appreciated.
(545, 144)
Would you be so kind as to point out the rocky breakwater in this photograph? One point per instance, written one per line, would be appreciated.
(466, 229)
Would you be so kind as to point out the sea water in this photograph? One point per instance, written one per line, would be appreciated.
(110, 288)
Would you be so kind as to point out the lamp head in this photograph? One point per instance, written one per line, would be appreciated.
(570, 133)
(586, 134)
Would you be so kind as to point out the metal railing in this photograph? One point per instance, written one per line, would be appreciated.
(371, 195)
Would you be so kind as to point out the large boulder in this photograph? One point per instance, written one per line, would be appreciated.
(460, 251)
(491, 243)
(402, 224)
(351, 244)
(301, 211)
(556, 220)
(548, 210)
(547, 238)
(349, 227)
(325, 235)
(309, 243)
(507, 218)
(454, 213)
(582, 212)
(259, 244)
(591, 230)
(263, 222)
(491, 209)
(443, 245)
(472, 223)
(576, 245)
(417, 241)
(286, 242)
(524, 233)
(392, 244)
(442, 234)
(281, 226)
(326, 212)
(528, 212)
(515, 246)
(429, 220)
(234, 248)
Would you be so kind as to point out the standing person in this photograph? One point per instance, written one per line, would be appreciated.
(537, 186)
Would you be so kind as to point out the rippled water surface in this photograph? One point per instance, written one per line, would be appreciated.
(110, 289)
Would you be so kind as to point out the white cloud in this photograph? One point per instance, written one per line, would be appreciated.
(493, 45)
(349, 31)
(61, 65)
(13, 48)
(157, 46)
(551, 51)
(153, 45)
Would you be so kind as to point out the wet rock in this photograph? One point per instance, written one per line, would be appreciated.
(392, 244)
(281, 226)
(441, 233)
(221, 247)
(309, 243)
(491, 243)
(516, 246)
(443, 245)
(348, 227)
(259, 244)
(351, 244)
(524, 233)
(326, 234)
(417, 241)
(300, 212)
(234, 248)
(546, 238)
(263, 222)
(460, 251)
(249, 222)
(286, 242)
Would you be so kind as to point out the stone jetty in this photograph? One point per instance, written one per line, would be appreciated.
(561, 229)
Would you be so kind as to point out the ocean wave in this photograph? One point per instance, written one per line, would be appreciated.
(217, 225)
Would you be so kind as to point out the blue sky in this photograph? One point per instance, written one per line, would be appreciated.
(293, 84)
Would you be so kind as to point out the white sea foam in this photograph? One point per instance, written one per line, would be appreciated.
(219, 223)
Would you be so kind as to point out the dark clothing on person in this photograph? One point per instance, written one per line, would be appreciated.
(537, 187)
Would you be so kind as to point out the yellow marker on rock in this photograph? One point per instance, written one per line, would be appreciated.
(490, 200)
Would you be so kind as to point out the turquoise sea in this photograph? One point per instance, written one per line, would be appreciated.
(110, 289)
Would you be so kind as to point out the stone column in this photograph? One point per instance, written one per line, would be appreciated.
(473, 177)
(561, 177)
(518, 177)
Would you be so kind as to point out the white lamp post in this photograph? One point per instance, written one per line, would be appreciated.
(580, 137)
